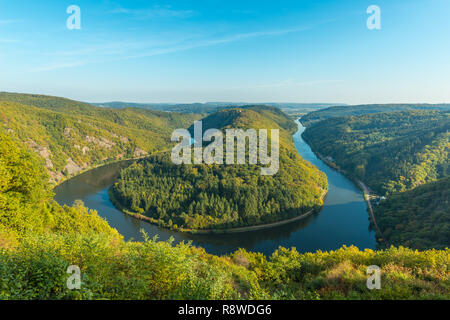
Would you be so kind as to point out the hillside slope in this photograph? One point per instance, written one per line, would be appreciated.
(390, 152)
(39, 240)
(345, 111)
(72, 136)
(418, 218)
(402, 155)
(197, 197)
(26, 204)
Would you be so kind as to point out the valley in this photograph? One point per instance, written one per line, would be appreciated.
(42, 233)
(402, 156)
(343, 208)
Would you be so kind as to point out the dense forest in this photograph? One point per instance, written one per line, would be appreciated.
(390, 152)
(39, 240)
(345, 111)
(72, 136)
(26, 204)
(402, 155)
(224, 196)
(418, 218)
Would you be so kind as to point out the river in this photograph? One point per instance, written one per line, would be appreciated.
(343, 219)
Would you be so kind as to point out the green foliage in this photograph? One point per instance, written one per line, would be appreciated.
(252, 116)
(341, 274)
(399, 154)
(120, 270)
(345, 111)
(223, 196)
(72, 136)
(158, 270)
(418, 218)
(390, 152)
(39, 240)
(23, 187)
(26, 205)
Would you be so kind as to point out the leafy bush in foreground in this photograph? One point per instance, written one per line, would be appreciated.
(158, 270)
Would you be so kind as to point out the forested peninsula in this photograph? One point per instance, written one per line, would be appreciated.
(217, 197)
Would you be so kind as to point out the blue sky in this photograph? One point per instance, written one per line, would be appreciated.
(253, 51)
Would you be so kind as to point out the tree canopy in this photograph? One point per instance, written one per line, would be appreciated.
(39, 240)
(390, 152)
(346, 111)
(224, 196)
(72, 136)
(417, 218)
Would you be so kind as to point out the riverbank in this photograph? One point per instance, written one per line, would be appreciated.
(367, 195)
(121, 208)
(264, 226)
(155, 222)
(89, 168)
(358, 183)
(342, 219)
(108, 162)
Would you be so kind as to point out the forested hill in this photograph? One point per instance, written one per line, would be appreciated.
(390, 152)
(418, 218)
(251, 116)
(343, 111)
(224, 196)
(39, 240)
(71, 136)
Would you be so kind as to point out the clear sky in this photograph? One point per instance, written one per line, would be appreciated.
(252, 51)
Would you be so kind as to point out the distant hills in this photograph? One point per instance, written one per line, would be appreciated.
(344, 111)
(210, 107)
(168, 107)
